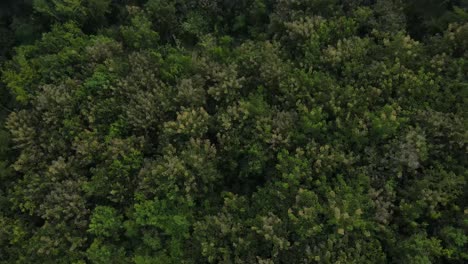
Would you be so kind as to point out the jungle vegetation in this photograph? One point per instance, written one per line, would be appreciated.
(233, 131)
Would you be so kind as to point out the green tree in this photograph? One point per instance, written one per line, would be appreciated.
(305, 131)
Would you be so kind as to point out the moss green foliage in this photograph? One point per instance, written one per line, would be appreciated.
(250, 131)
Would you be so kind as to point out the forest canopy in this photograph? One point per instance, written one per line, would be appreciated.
(247, 131)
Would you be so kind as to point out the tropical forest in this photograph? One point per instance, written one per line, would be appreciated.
(233, 131)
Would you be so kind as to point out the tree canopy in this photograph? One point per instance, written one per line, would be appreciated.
(248, 131)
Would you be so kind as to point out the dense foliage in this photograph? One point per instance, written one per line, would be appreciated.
(248, 131)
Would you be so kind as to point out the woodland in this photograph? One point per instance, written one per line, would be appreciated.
(233, 131)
